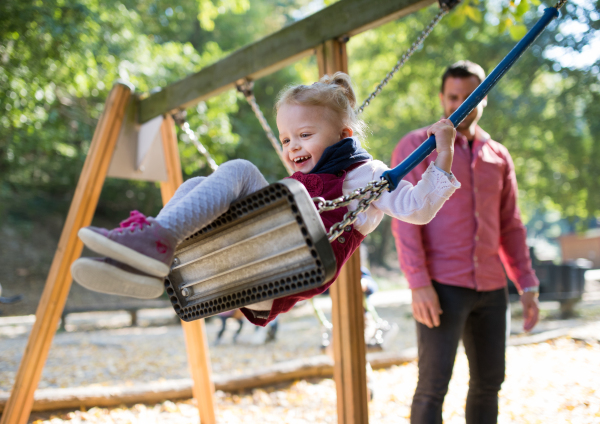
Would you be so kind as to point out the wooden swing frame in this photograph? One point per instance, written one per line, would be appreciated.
(324, 34)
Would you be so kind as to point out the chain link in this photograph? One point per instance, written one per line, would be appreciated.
(180, 119)
(246, 89)
(366, 195)
(329, 205)
(404, 58)
(351, 216)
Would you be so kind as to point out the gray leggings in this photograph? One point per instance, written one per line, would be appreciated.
(200, 200)
(479, 318)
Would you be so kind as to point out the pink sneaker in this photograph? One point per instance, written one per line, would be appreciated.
(139, 242)
(106, 275)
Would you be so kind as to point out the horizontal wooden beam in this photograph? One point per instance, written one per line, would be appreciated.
(344, 18)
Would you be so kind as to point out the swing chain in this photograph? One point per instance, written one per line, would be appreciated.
(404, 58)
(360, 193)
(180, 119)
(366, 195)
(246, 88)
(350, 217)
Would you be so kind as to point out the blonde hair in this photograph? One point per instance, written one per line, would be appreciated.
(334, 92)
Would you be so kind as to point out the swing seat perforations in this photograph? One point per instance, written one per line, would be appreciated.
(269, 244)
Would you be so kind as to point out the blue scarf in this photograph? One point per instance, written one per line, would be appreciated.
(340, 156)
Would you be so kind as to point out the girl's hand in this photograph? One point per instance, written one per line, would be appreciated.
(445, 133)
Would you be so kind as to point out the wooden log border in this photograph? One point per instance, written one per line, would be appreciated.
(285, 372)
(313, 367)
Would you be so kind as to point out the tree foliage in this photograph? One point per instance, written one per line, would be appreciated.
(541, 110)
(544, 110)
(60, 58)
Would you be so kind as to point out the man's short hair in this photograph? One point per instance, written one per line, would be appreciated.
(463, 69)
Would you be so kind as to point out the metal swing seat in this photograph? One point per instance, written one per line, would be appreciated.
(273, 243)
(269, 244)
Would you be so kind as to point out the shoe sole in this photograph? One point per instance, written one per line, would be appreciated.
(107, 247)
(105, 278)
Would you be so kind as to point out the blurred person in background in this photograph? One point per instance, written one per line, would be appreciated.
(454, 263)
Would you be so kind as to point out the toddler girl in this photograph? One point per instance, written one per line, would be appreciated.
(317, 129)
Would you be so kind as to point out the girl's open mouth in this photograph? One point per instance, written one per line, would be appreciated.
(301, 159)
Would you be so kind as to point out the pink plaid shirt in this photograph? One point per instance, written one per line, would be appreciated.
(476, 231)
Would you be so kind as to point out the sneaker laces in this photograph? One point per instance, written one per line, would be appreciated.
(136, 220)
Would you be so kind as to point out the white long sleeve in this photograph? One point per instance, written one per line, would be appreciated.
(415, 204)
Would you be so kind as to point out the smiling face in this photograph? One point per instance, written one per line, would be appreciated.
(306, 131)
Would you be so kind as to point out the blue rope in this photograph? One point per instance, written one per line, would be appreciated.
(393, 176)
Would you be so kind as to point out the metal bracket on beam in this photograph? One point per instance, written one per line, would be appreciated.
(448, 4)
(245, 86)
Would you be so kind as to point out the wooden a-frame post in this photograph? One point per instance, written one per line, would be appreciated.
(195, 334)
(347, 316)
(58, 283)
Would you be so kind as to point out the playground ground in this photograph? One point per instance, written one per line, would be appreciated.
(555, 381)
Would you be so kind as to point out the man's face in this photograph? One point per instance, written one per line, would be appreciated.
(456, 91)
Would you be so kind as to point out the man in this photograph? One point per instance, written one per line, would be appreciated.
(454, 263)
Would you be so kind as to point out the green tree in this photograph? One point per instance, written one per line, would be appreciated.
(59, 60)
(543, 110)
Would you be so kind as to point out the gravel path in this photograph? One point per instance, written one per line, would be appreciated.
(552, 382)
(546, 383)
(97, 349)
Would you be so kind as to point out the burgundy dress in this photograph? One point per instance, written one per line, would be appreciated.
(328, 186)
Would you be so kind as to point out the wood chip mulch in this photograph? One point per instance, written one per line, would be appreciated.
(551, 382)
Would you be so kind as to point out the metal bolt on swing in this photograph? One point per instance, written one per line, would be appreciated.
(560, 4)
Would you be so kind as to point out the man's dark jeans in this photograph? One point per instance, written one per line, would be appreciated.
(480, 318)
